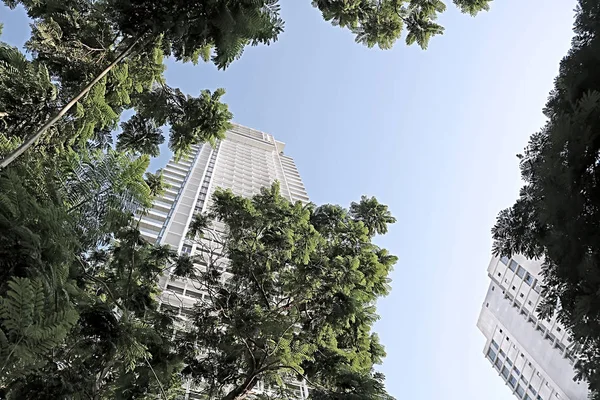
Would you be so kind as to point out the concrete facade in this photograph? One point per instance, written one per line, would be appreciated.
(245, 161)
(531, 356)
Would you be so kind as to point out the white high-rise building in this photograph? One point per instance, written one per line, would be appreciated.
(530, 355)
(245, 161)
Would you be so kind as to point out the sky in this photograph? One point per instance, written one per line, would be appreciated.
(433, 134)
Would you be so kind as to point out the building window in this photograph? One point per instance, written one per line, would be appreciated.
(512, 381)
(504, 260)
(529, 279)
(522, 295)
(529, 302)
(499, 274)
(487, 305)
(494, 344)
(520, 272)
(532, 390)
(514, 288)
(513, 265)
(491, 354)
(520, 391)
(504, 372)
(558, 329)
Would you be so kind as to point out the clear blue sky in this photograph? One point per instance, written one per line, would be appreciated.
(432, 133)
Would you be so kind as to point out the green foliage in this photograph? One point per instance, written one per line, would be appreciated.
(311, 276)
(556, 216)
(380, 22)
(32, 323)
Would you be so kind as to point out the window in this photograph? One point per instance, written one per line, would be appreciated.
(541, 329)
(514, 288)
(502, 354)
(527, 397)
(491, 354)
(504, 260)
(504, 372)
(487, 305)
(186, 249)
(529, 302)
(499, 274)
(513, 265)
(494, 344)
(529, 279)
(558, 329)
(522, 295)
(512, 381)
(509, 362)
(517, 372)
(175, 289)
(532, 390)
(520, 391)
(498, 363)
(521, 272)
(522, 355)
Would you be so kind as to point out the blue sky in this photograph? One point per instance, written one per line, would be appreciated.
(433, 134)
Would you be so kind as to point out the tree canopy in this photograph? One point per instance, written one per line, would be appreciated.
(557, 213)
(93, 59)
(298, 301)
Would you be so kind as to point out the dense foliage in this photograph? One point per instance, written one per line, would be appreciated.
(299, 301)
(79, 315)
(557, 215)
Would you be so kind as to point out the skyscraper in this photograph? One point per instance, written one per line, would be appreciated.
(245, 161)
(533, 357)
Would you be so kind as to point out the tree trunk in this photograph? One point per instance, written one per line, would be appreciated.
(242, 390)
(34, 138)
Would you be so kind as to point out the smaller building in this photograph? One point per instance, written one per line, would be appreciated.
(530, 355)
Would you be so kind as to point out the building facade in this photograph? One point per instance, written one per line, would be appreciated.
(533, 357)
(245, 161)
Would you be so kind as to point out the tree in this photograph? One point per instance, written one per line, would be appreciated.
(106, 53)
(290, 295)
(78, 310)
(556, 216)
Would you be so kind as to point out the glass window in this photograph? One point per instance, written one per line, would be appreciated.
(175, 289)
(502, 353)
(512, 381)
(494, 344)
(532, 390)
(505, 372)
(520, 272)
(498, 363)
(520, 391)
(517, 372)
(491, 354)
(537, 287)
(513, 265)
(527, 397)
(529, 279)
(509, 362)
(504, 260)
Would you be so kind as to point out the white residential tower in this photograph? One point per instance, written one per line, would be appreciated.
(530, 355)
(245, 161)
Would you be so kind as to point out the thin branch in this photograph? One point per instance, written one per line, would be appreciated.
(35, 137)
(162, 390)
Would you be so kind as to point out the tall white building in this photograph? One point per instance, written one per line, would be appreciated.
(530, 355)
(245, 161)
